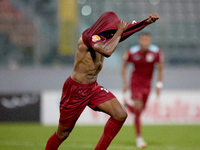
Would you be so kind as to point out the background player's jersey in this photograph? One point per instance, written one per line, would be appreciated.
(143, 64)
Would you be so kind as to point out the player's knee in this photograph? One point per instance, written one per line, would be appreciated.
(138, 104)
(63, 135)
(122, 116)
(63, 132)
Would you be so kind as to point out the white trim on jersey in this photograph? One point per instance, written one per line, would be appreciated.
(136, 48)
(154, 48)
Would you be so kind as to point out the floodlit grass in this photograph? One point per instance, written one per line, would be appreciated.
(33, 136)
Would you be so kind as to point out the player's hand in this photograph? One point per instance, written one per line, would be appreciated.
(122, 25)
(152, 18)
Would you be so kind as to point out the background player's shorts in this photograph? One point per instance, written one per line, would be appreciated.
(140, 93)
(76, 96)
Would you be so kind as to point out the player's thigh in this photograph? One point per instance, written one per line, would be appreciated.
(114, 108)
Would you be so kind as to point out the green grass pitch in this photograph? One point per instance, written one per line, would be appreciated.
(33, 136)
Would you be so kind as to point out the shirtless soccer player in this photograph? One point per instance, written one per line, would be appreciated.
(81, 88)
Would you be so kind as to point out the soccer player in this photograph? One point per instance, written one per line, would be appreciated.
(81, 88)
(144, 57)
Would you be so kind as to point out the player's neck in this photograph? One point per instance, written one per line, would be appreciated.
(143, 50)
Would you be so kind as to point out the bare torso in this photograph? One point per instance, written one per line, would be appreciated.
(88, 63)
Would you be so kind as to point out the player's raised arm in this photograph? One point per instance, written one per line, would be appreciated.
(108, 48)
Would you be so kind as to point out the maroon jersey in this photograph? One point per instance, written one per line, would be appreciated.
(109, 21)
(143, 65)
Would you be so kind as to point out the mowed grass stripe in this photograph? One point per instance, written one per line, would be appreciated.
(31, 136)
(25, 145)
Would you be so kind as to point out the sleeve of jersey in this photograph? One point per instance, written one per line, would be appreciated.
(95, 39)
(132, 28)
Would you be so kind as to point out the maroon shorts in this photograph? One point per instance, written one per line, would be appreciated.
(76, 96)
(141, 93)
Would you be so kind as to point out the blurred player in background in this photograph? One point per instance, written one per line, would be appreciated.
(144, 57)
(81, 88)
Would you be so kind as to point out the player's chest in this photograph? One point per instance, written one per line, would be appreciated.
(143, 58)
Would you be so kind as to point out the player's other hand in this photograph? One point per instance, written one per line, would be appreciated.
(122, 25)
(152, 18)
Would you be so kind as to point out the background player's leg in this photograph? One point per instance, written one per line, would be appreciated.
(137, 110)
(137, 122)
(130, 108)
(138, 107)
(114, 124)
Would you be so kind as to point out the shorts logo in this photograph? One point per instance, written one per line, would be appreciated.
(105, 90)
(95, 38)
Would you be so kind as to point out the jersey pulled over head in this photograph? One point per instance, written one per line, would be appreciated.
(107, 24)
